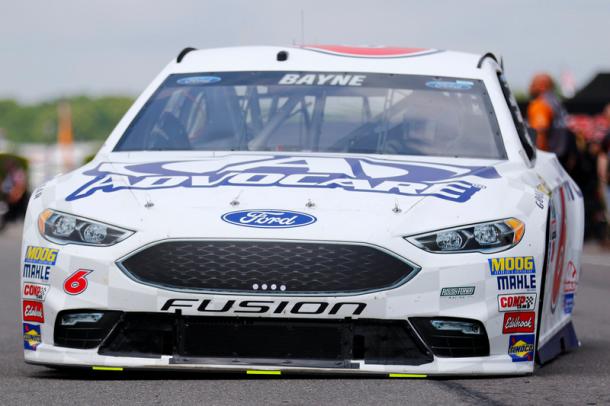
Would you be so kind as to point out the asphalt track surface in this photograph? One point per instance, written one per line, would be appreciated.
(581, 377)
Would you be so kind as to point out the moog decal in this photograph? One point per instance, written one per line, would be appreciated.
(447, 182)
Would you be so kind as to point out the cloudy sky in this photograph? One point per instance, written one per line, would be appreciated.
(56, 48)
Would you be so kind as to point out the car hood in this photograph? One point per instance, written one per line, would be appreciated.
(349, 196)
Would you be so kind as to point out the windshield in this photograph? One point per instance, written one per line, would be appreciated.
(367, 113)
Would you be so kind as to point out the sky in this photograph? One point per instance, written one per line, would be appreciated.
(51, 49)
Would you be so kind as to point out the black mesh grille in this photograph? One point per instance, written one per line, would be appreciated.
(267, 267)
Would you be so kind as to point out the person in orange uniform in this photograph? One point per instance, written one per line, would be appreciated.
(547, 116)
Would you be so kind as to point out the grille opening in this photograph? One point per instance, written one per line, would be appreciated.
(83, 335)
(452, 343)
(265, 341)
(267, 267)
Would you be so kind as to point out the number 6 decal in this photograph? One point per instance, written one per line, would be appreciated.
(76, 283)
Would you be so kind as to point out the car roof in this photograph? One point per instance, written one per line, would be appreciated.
(332, 58)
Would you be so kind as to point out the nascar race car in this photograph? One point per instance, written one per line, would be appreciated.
(322, 209)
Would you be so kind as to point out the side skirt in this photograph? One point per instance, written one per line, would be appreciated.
(564, 341)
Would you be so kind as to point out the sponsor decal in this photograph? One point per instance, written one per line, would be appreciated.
(521, 347)
(76, 283)
(322, 79)
(542, 187)
(33, 311)
(569, 288)
(516, 302)
(198, 80)
(571, 281)
(35, 291)
(41, 255)
(450, 85)
(448, 182)
(539, 199)
(370, 52)
(516, 282)
(568, 303)
(559, 251)
(458, 291)
(38, 262)
(512, 266)
(265, 307)
(31, 336)
(519, 322)
(269, 218)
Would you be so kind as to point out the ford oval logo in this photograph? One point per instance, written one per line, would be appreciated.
(268, 218)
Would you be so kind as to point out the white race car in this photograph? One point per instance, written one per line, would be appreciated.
(322, 209)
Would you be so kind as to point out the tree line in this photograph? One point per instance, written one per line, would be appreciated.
(92, 118)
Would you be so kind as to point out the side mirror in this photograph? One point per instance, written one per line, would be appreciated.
(533, 134)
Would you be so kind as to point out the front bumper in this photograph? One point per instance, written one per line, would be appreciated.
(111, 289)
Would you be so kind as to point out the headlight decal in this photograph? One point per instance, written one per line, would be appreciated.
(62, 228)
(487, 237)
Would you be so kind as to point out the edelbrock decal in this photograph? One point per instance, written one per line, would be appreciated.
(33, 311)
(519, 322)
(449, 182)
(269, 218)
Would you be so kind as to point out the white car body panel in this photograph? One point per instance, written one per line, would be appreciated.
(175, 212)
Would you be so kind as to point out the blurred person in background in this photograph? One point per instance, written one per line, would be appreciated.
(13, 189)
(585, 159)
(603, 164)
(548, 117)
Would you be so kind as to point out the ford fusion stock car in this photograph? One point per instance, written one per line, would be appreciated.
(317, 209)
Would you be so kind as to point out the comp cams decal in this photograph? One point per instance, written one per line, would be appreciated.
(38, 262)
(268, 218)
(448, 182)
(35, 291)
(516, 302)
(31, 336)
